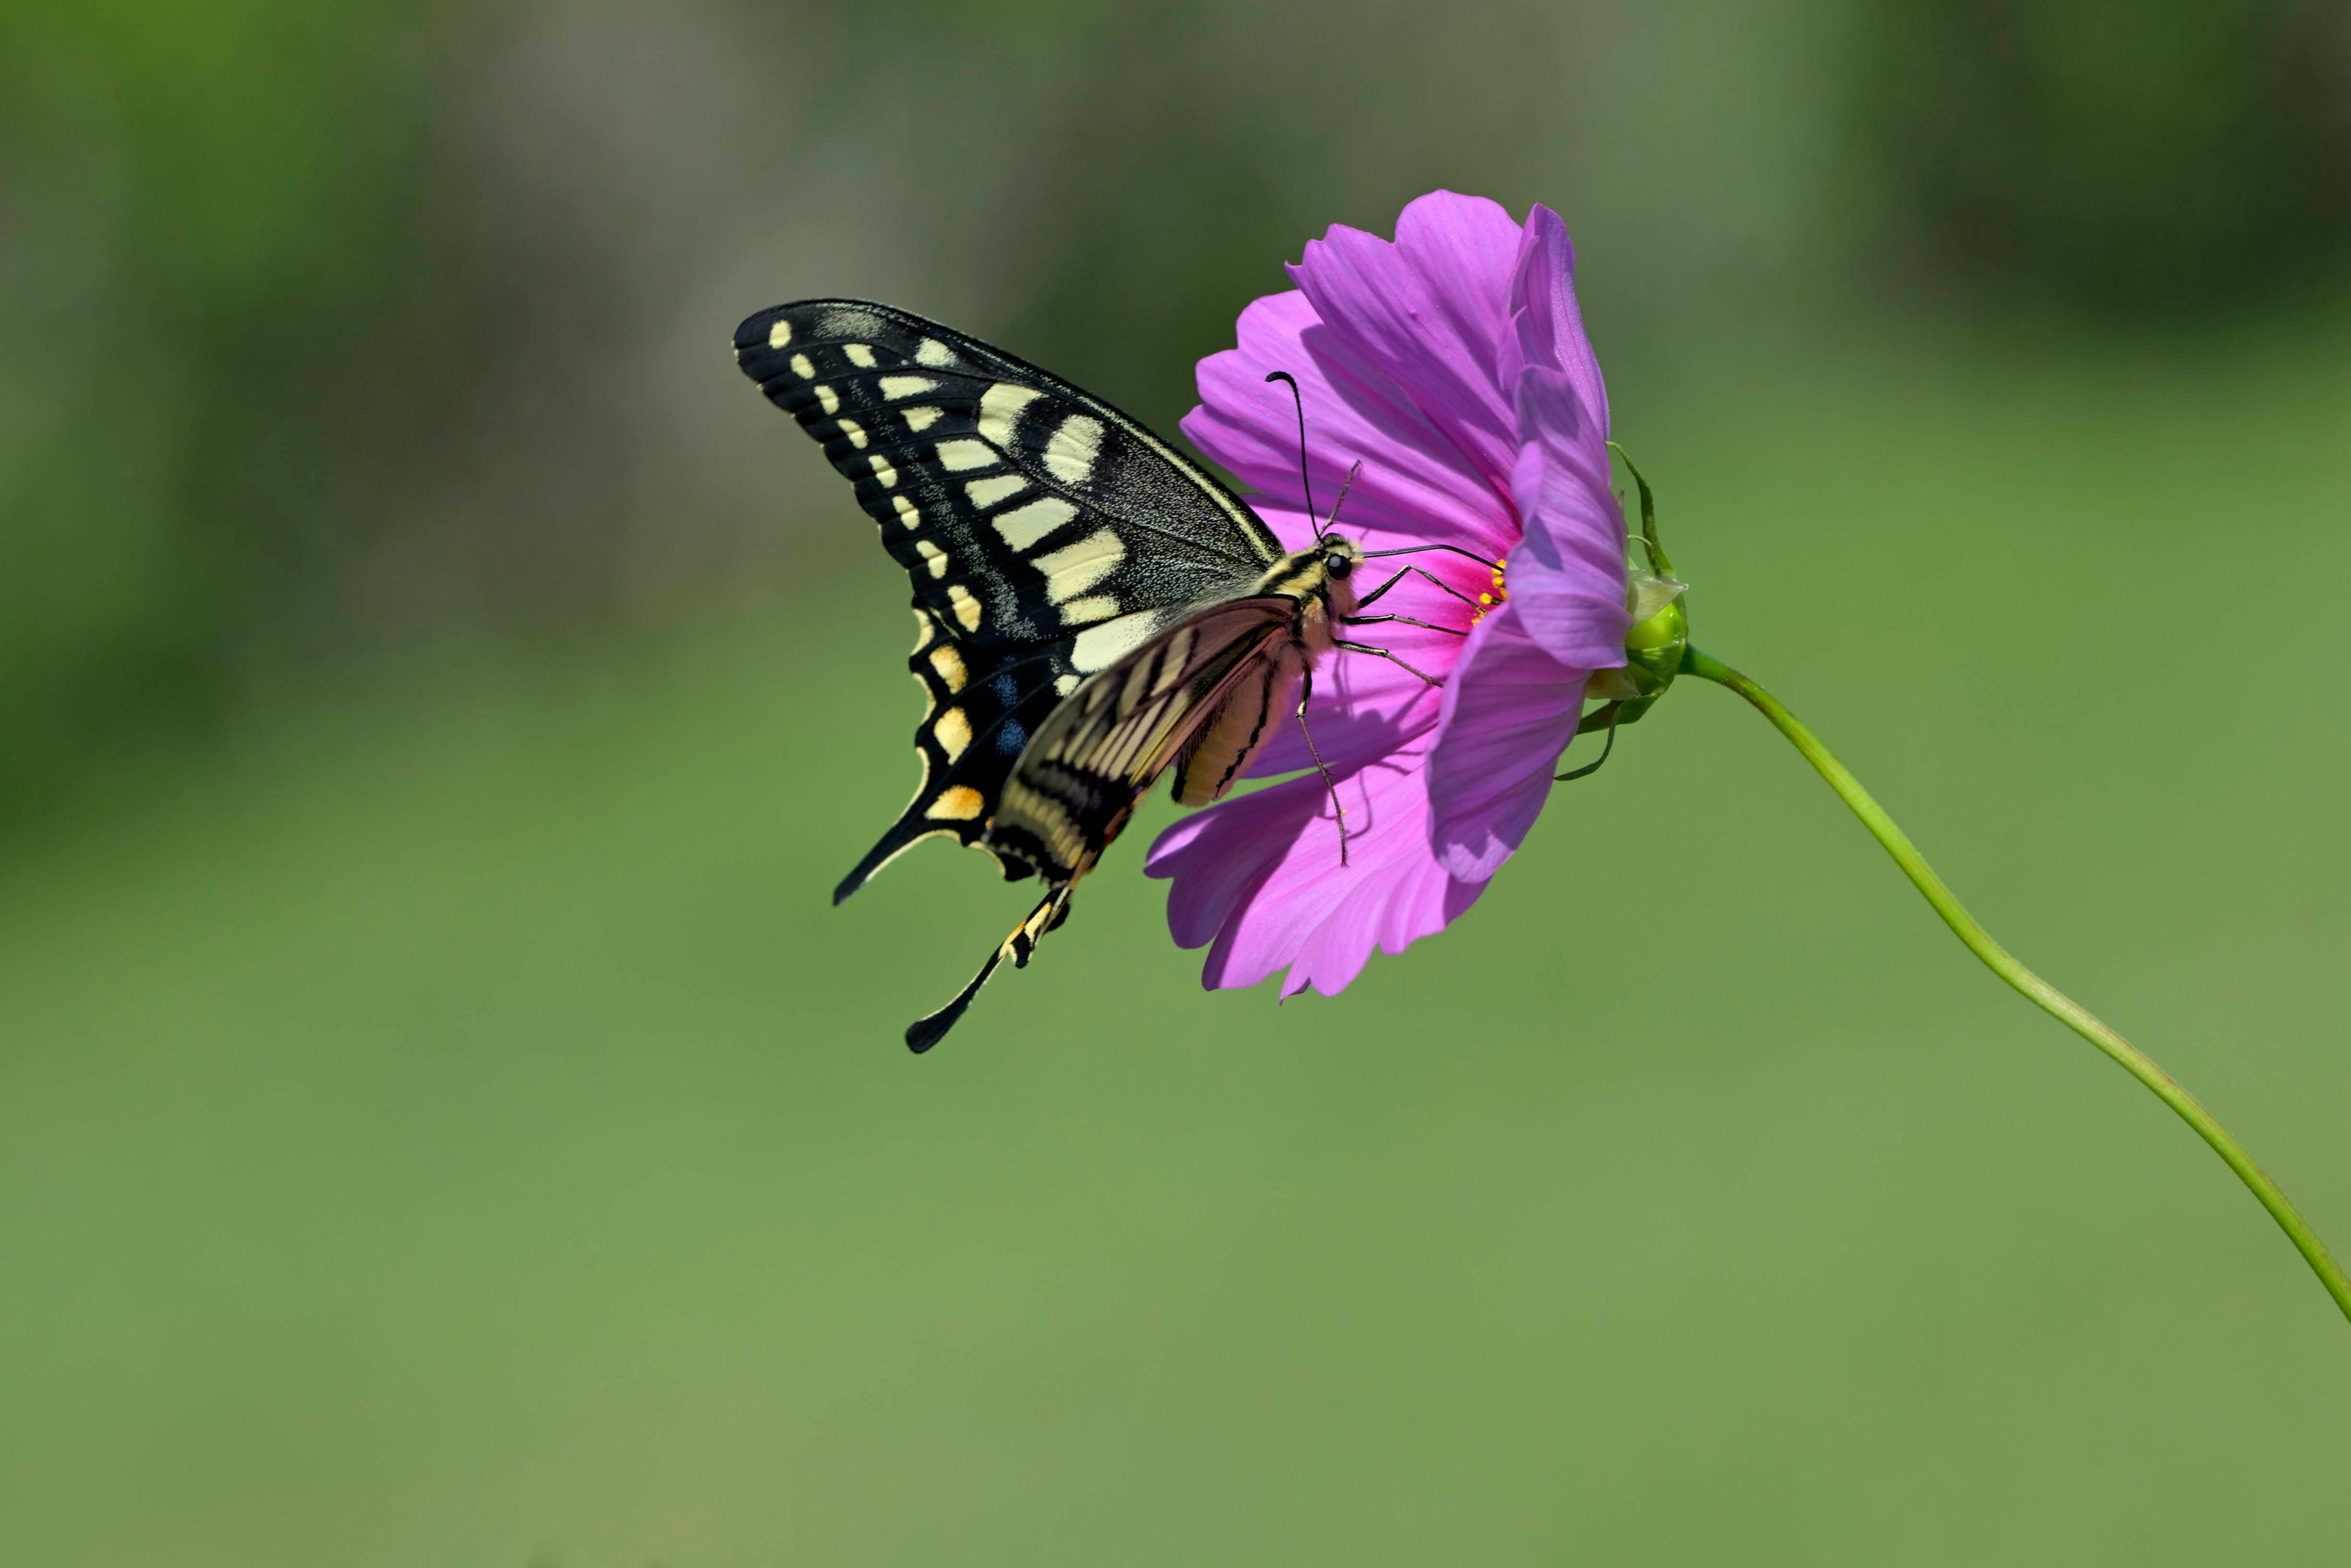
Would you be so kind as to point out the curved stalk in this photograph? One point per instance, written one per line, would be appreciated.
(2038, 991)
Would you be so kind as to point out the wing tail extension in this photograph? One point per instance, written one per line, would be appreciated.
(926, 1032)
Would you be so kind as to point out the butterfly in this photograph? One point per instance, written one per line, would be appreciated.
(1092, 608)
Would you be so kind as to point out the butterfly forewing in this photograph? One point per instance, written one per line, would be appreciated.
(1024, 509)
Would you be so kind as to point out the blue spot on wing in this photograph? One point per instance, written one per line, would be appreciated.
(1010, 736)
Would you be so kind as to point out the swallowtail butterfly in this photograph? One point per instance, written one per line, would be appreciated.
(1092, 608)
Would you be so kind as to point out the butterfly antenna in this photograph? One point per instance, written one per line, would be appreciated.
(1352, 469)
(1306, 482)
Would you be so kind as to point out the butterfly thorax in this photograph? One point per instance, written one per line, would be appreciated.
(1322, 578)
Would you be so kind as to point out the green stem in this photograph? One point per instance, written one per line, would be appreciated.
(2038, 991)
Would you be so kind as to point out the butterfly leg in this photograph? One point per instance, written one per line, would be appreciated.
(1305, 695)
(1403, 620)
(926, 1032)
(1365, 602)
(1391, 658)
(1373, 597)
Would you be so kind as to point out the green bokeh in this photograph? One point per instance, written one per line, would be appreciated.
(446, 1122)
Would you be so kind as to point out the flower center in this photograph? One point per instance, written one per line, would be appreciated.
(1497, 594)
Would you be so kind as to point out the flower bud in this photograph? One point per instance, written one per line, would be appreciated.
(1653, 651)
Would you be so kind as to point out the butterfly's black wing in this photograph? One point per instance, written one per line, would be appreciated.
(979, 708)
(1045, 533)
(1081, 774)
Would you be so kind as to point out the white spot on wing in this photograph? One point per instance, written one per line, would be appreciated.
(933, 557)
(959, 455)
(859, 355)
(1099, 646)
(896, 387)
(779, 332)
(1070, 454)
(966, 608)
(1092, 608)
(1065, 685)
(920, 419)
(829, 398)
(882, 469)
(802, 368)
(1071, 570)
(907, 513)
(1000, 411)
(986, 493)
(1023, 527)
(935, 354)
(854, 431)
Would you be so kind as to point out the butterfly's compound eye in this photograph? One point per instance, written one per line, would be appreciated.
(1338, 563)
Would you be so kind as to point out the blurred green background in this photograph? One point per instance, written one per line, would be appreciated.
(443, 1122)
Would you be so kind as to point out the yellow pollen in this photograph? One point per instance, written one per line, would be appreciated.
(1500, 594)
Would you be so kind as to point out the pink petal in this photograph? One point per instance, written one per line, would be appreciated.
(1415, 483)
(1259, 879)
(1567, 577)
(1509, 711)
(1430, 312)
(1547, 327)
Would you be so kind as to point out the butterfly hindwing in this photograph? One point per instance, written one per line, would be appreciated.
(1024, 509)
(1098, 752)
(979, 709)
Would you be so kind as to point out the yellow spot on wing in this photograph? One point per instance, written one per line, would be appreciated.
(933, 557)
(920, 419)
(1000, 411)
(1070, 454)
(986, 493)
(1024, 525)
(802, 368)
(1097, 646)
(883, 470)
(959, 804)
(779, 332)
(959, 455)
(829, 398)
(966, 608)
(859, 355)
(935, 354)
(1071, 570)
(1085, 612)
(949, 664)
(907, 513)
(854, 431)
(896, 387)
(954, 733)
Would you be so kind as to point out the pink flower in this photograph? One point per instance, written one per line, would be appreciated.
(1452, 365)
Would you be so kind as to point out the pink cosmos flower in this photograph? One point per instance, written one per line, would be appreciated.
(1452, 364)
